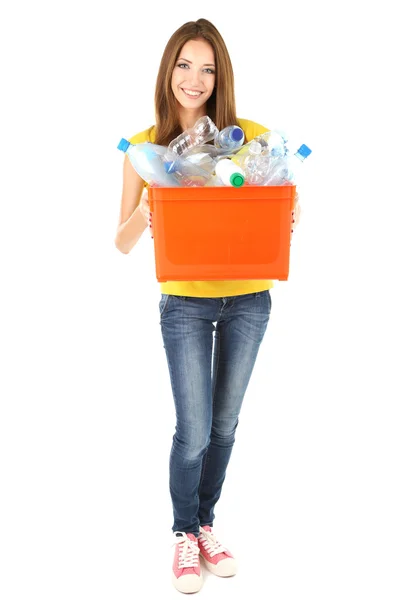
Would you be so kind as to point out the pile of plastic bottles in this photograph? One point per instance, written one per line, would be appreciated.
(191, 160)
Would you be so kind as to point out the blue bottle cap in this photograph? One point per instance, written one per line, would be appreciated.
(237, 134)
(304, 151)
(170, 166)
(236, 179)
(123, 145)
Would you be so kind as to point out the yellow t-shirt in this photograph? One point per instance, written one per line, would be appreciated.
(211, 289)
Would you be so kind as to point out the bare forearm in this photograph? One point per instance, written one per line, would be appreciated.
(129, 232)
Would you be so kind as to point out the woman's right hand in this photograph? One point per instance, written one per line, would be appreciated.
(144, 207)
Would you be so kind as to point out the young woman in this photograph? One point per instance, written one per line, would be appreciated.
(208, 382)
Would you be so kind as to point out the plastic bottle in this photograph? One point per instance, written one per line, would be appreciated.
(208, 153)
(194, 170)
(273, 143)
(286, 169)
(148, 161)
(209, 149)
(203, 160)
(230, 138)
(229, 173)
(204, 130)
(254, 164)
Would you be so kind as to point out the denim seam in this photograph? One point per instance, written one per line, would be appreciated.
(213, 403)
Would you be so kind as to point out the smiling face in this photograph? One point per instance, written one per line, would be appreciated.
(193, 77)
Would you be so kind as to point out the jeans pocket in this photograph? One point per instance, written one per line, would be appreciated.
(266, 300)
(163, 303)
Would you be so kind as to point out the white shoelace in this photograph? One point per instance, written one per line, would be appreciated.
(210, 543)
(188, 551)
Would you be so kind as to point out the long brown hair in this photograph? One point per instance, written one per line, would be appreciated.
(221, 106)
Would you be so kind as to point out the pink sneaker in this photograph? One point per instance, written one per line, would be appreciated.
(186, 572)
(216, 558)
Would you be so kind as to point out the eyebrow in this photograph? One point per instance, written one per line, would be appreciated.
(189, 61)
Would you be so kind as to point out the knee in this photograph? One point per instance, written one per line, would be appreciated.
(223, 430)
(192, 445)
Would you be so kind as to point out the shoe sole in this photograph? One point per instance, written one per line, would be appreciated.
(188, 584)
(225, 568)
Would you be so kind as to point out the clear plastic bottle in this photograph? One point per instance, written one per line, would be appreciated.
(286, 168)
(229, 138)
(148, 161)
(202, 160)
(254, 163)
(204, 130)
(209, 149)
(192, 170)
(273, 143)
(229, 173)
(203, 155)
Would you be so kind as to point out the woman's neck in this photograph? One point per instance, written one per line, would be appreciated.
(187, 117)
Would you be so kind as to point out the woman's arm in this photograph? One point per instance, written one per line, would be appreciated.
(132, 223)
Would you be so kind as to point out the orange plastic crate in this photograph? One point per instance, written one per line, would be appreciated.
(222, 233)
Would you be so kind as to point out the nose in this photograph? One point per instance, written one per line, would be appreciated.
(195, 77)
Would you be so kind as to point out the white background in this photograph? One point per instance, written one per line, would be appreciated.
(310, 502)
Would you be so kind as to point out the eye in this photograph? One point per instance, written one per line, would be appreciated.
(208, 70)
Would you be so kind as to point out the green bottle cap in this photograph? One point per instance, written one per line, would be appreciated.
(236, 179)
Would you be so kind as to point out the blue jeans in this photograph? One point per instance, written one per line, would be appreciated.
(208, 386)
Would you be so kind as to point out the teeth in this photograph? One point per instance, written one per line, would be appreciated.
(191, 93)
